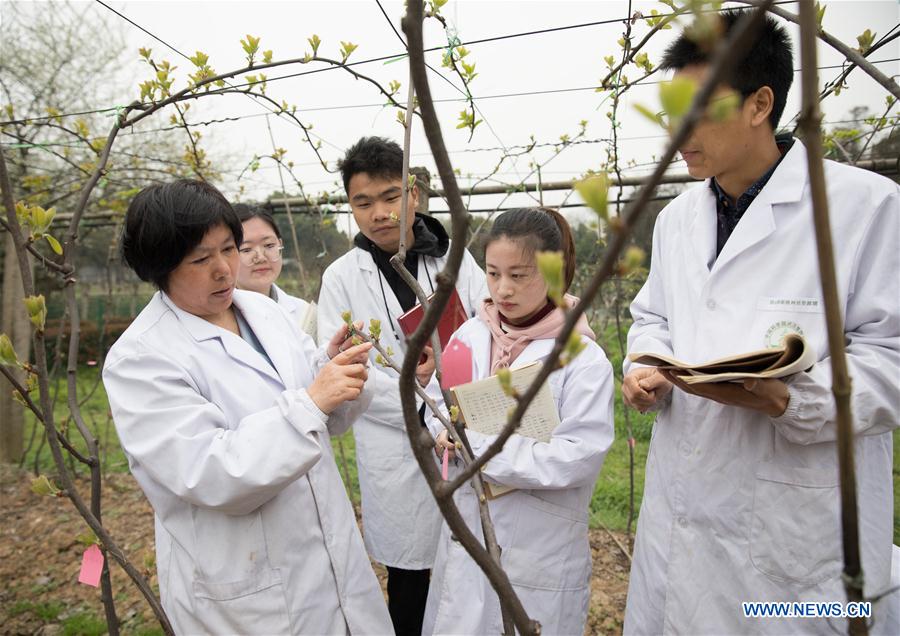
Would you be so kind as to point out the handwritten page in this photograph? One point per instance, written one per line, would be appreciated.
(486, 407)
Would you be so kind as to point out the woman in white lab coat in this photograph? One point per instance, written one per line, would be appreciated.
(261, 260)
(542, 526)
(224, 409)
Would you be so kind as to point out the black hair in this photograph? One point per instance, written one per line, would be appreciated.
(246, 212)
(166, 221)
(768, 62)
(374, 156)
(539, 229)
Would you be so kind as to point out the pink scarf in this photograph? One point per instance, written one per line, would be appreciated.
(508, 341)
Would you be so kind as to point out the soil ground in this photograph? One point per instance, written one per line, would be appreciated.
(40, 557)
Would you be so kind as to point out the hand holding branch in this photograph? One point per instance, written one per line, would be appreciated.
(342, 379)
(342, 339)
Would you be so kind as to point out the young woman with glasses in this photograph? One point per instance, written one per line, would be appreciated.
(261, 263)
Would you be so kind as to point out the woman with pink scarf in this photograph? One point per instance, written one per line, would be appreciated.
(541, 525)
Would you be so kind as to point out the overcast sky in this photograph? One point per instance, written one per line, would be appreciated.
(569, 62)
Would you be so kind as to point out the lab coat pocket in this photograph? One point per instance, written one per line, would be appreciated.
(255, 605)
(550, 549)
(794, 525)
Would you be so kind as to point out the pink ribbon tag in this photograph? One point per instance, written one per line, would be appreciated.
(457, 365)
(91, 566)
(445, 463)
(631, 442)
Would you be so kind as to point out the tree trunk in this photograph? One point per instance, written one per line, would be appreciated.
(13, 322)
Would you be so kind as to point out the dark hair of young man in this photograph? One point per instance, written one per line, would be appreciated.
(246, 212)
(769, 62)
(166, 221)
(374, 156)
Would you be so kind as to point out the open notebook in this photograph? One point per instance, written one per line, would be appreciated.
(793, 356)
(486, 409)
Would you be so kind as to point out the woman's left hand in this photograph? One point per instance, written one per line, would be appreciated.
(340, 340)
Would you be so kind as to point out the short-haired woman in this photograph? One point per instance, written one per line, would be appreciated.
(224, 409)
(261, 250)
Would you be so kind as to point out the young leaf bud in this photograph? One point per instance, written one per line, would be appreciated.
(550, 265)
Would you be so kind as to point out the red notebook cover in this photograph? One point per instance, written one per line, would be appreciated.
(452, 319)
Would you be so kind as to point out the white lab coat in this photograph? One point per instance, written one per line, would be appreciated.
(303, 313)
(254, 531)
(742, 507)
(542, 528)
(401, 521)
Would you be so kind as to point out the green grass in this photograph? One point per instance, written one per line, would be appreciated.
(609, 504)
(84, 624)
(47, 612)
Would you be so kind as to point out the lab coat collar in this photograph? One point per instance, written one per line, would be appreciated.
(236, 347)
(263, 320)
(785, 186)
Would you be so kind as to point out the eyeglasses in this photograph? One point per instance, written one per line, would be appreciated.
(270, 252)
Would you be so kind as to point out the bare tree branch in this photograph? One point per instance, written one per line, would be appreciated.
(810, 123)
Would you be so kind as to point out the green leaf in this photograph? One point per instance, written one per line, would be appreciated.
(346, 49)
(504, 376)
(375, 328)
(200, 59)
(723, 108)
(314, 42)
(820, 14)
(574, 346)
(37, 310)
(54, 244)
(634, 259)
(250, 45)
(8, 355)
(676, 96)
(42, 486)
(865, 39)
(594, 191)
(551, 266)
(87, 538)
(145, 53)
(267, 56)
(347, 317)
(642, 60)
(656, 118)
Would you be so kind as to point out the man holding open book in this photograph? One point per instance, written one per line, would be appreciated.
(401, 521)
(741, 498)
